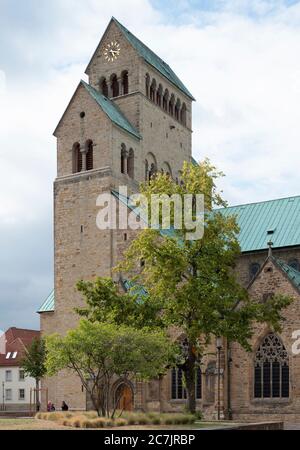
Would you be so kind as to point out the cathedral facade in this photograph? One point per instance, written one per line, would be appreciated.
(132, 119)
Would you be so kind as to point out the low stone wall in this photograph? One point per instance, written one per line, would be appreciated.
(258, 426)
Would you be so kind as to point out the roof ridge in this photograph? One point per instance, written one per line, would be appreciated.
(260, 202)
(291, 273)
(105, 101)
(170, 74)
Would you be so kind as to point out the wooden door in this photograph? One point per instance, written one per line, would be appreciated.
(124, 393)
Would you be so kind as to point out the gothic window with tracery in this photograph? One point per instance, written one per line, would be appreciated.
(178, 389)
(271, 369)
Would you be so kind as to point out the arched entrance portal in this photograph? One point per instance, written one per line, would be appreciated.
(124, 397)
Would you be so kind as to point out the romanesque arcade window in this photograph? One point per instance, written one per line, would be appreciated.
(104, 87)
(271, 369)
(123, 159)
(125, 83)
(177, 384)
(127, 161)
(76, 158)
(114, 85)
(130, 164)
(166, 100)
(89, 155)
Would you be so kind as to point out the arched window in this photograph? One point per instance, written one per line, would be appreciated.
(89, 155)
(294, 263)
(130, 164)
(147, 85)
(152, 171)
(166, 100)
(104, 87)
(210, 380)
(123, 159)
(153, 91)
(177, 384)
(253, 270)
(177, 109)
(125, 82)
(183, 114)
(166, 169)
(114, 85)
(159, 95)
(146, 170)
(171, 105)
(151, 166)
(271, 369)
(77, 158)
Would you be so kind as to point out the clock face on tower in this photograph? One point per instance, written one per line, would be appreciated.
(112, 51)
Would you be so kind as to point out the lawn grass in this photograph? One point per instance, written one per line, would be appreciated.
(34, 424)
(29, 424)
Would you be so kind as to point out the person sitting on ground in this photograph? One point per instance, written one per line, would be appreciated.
(64, 407)
(53, 408)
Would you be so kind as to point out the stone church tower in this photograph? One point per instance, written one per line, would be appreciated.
(132, 119)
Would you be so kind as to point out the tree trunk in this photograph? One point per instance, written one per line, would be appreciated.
(37, 395)
(190, 378)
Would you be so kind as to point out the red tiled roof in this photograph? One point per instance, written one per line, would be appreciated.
(17, 340)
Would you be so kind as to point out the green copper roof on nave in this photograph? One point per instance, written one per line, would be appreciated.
(273, 220)
(112, 111)
(48, 305)
(151, 58)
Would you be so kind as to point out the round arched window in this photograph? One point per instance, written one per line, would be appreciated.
(254, 269)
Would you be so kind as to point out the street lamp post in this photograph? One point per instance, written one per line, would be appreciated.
(219, 348)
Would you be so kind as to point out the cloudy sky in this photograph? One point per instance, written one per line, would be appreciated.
(240, 59)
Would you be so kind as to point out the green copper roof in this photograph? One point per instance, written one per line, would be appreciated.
(151, 58)
(111, 110)
(48, 305)
(292, 273)
(274, 220)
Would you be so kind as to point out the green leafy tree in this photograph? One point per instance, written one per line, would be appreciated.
(33, 364)
(192, 284)
(98, 351)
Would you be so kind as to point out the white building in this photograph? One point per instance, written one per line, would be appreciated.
(14, 385)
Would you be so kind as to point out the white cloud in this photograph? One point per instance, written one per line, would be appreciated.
(240, 62)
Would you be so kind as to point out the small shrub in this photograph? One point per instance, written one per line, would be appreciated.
(142, 419)
(100, 422)
(66, 423)
(120, 422)
(131, 419)
(199, 415)
(91, 415)
(154, 418)
(77, 421)
(87, 424)
(55, 416)
(168, 419)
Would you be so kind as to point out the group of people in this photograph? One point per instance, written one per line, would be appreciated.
(51, 407)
